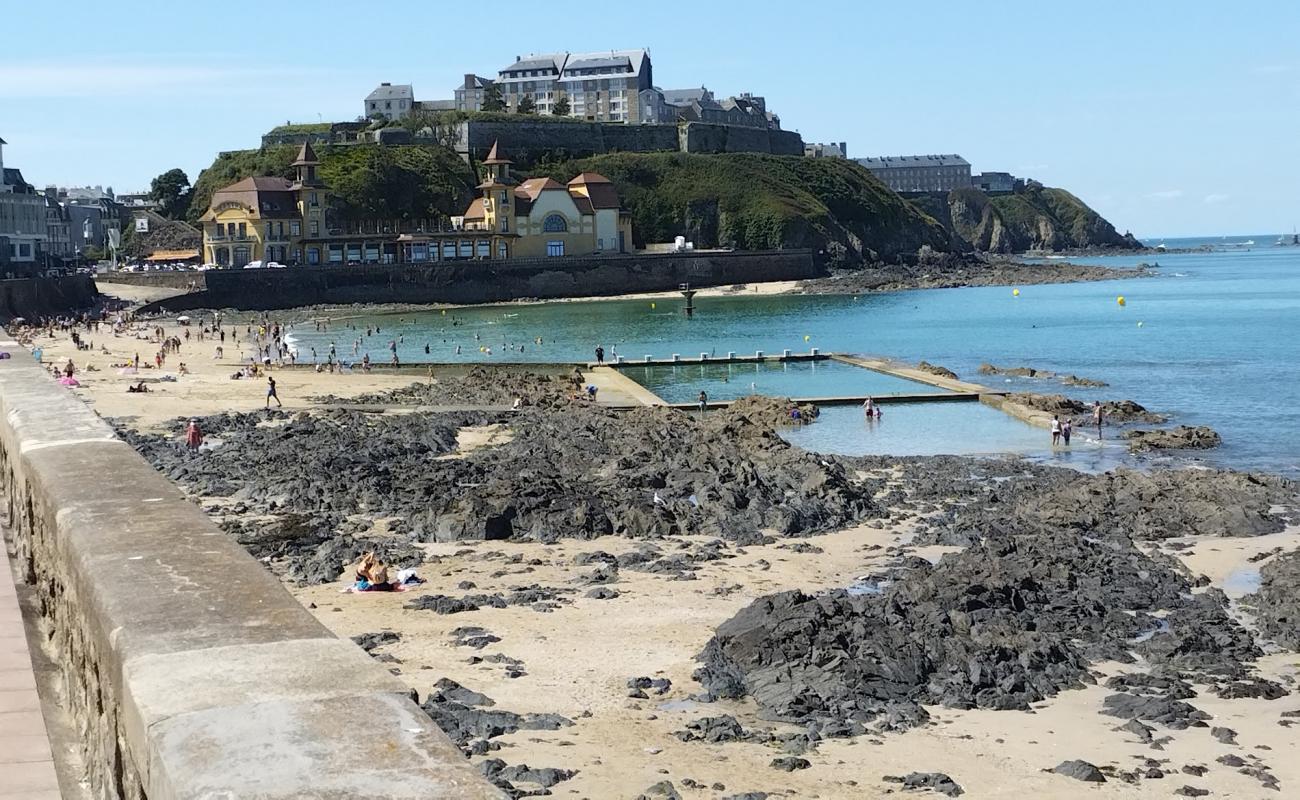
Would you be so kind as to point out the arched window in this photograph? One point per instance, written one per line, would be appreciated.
(554, 224)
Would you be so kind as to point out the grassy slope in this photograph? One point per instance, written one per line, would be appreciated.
(742, 200)
(762, 201)
(392, 182)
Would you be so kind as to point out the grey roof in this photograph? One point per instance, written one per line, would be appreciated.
(907, 162)
(391, 91)
(537, 62)
(2, 141)
(682, 97)
(598, 63)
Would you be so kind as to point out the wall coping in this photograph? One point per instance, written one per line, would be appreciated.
(218, 683)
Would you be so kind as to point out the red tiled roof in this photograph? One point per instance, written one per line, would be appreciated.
(535, 186)
(476, 210)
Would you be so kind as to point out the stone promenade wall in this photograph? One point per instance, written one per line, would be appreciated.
(469, 282)
(191, 672)
(35, 297)
(168, 280)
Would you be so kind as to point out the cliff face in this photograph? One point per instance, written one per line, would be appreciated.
(758, 202)
(1036, 218)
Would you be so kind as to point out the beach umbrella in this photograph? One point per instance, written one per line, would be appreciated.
(182, 319)
(69, 381)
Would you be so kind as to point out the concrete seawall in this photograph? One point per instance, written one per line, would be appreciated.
(33, 297)
(468, 282)
(190, 671)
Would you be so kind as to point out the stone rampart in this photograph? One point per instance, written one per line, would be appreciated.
(36, 297)
(529, 141)
(167, 280)
(190, 671)
(468, 282)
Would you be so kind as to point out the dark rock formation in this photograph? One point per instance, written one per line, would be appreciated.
(934, 781)
(935, 369)
(1277, 603)
(1080, 770)
(1183, 437)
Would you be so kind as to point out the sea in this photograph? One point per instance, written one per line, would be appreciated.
(1210, 338)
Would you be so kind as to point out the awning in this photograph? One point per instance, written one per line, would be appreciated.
(174, 255)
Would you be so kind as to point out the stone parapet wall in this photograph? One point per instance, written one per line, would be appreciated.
(190, 671)
(527, 142)
(35, 297)
(468, 282)
(167, 280)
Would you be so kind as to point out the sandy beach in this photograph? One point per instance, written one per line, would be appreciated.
(576, 655)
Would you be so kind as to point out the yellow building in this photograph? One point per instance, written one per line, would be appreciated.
(268, 218)
(542, 217)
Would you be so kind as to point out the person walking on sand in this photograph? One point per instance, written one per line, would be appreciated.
(1056, 430)
(193, 436)
(1065, 432)
(1096, 416)
(704, 402)
(600, 354)
(271, 393)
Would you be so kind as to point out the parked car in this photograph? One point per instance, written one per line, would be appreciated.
(255, 265)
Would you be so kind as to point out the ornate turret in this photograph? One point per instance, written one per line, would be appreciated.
(498, 168)
(306, 164)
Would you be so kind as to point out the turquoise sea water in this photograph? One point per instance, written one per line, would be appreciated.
(1217, 343)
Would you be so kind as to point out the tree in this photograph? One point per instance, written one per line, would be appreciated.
(171, 191)
(492, 99)
(526, 105)
(561, 108)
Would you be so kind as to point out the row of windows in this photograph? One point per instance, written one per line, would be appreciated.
(273, 229)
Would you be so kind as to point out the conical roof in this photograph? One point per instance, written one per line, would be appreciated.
(494, 156)
(306, 156)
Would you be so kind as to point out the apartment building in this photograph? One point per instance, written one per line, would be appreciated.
(933, 173)
(469, 95)
(23, 229)
(604, 86)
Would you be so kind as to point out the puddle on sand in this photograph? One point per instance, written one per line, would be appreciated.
(1162, 626)
(682, 705)
(868, 585)
(1241, 582)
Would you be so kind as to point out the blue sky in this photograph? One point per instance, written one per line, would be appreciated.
(1170, 118)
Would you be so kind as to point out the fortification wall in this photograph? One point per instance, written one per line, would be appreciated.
(169, 280)
(527, 141)
(190, 671)
(468, 282)
(37, 297)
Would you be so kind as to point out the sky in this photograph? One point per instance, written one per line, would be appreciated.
(1170, 118)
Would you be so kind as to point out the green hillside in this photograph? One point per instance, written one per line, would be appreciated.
(370, 181)
(752, 201)
(742, 200)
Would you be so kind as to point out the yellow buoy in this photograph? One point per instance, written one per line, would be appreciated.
(1120, 300)
(652, 305)
(444, 312)
(807, 338)
(1015, 292)
(1139, 324)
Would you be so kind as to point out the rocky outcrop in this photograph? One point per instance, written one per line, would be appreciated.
(1029, 372)
(1183, 437)
(1277, 603)
(1049, 583)
(1035, 218)
(946, 272)
(775, 411)
(1114, 412)
(935, 369)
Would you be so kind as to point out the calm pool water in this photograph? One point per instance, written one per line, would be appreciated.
(1218, 342)
(682, 384)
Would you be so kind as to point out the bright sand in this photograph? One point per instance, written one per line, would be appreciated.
(578, 658)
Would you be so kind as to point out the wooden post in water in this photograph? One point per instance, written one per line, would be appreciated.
(689, 294)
